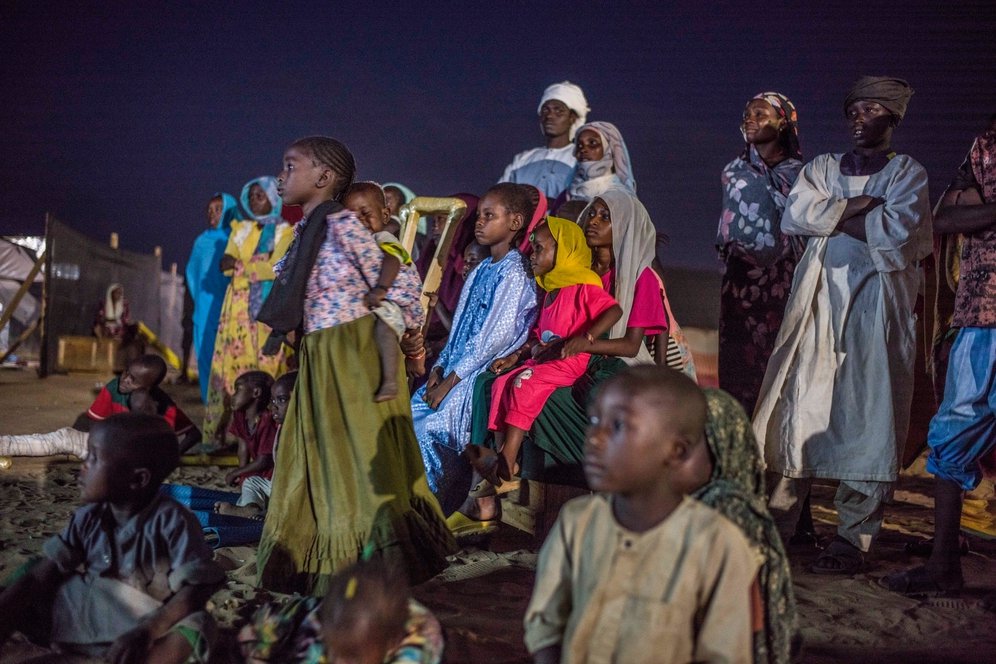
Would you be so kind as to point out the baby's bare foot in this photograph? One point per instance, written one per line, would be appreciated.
(387, 392)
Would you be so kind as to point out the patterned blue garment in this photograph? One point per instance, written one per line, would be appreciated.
(496, 311)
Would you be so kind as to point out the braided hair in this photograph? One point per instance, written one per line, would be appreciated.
(334, 154)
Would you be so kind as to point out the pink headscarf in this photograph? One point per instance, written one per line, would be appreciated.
(539, 212)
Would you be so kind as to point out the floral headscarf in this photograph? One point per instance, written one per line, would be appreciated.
(786, 111)
(573, 262)
(983, 159)
(614, 169)
(736, 490)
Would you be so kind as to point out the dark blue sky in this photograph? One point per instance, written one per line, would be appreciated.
(126, 116)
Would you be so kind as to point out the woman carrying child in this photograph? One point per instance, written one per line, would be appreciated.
(576, 311)
(254, 247)
(348, 475)
(495, 313)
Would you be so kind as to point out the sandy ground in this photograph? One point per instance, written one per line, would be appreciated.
(843, 620)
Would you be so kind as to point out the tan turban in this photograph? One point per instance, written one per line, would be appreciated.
(893, 94)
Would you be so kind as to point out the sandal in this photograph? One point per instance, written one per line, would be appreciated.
(840, 557)
(918, 582)
(463, 526)
(483, 489)
(486, 462)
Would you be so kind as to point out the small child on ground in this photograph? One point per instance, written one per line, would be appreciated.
(253, 425)
(146, 570)
(256, 488)
(575, 312)
(363, 619)
(641, 573)
(403, 310)
(144, 373)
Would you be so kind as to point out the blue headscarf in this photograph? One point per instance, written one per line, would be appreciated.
(207, 285)
(258, 291)
(269, 221)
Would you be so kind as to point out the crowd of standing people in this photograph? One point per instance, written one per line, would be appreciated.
(548, 350)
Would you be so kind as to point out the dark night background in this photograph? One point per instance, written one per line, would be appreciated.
(127, 116)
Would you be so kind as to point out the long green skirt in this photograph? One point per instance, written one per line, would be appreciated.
(553, 451)
(348, 473)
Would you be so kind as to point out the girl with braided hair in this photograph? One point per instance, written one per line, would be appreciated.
(350, 475)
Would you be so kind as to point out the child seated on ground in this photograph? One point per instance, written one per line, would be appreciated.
(143, 373)
(252, 424)
(575, 311)
(256, 488)
(403, 309)
(362, 619)
(641, 573)
(129, 577)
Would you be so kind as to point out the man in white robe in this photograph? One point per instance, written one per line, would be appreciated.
(562, 110)
(836, 397)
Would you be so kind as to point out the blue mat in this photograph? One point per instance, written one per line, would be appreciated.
(217, 536)
(197, 498)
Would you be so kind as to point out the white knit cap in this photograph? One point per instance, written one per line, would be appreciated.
(573, 98)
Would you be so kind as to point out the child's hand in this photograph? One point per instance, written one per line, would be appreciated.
(435, 376)
(433, 299)
(574, 346)
(546, 352)
(232, 477)
(503, 364)
(132, 646)
(375, 296)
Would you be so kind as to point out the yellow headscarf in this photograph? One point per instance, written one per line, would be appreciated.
(573, 262)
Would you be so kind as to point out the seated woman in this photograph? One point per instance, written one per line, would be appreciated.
(727, 475)
(603, 162)
(113, 321)
(575, 311)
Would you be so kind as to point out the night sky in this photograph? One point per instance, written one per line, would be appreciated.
(127, 116)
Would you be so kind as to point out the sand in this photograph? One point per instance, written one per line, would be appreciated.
(843, 619)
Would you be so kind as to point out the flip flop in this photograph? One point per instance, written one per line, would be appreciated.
(462, 525)
(917, 582)
(847, 559)
(486, 462)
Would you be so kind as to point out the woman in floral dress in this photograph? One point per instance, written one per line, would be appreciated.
(759, 260)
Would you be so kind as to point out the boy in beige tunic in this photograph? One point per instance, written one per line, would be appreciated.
(641, 573)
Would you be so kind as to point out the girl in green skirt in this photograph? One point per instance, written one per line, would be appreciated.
(348, 473)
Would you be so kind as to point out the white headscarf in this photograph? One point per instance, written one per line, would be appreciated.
(573, 98)
(113, 311)
(634, 246)
(614, 169)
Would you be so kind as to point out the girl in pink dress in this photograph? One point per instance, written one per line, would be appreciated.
(576, 311)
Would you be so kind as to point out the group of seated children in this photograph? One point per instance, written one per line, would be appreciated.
(259, 407)
(675, 559)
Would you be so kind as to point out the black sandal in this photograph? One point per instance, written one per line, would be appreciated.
(840, 557)
(918, 582)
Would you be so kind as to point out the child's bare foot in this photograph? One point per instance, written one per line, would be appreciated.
(246, 511)
(387, 392)
(486, 462)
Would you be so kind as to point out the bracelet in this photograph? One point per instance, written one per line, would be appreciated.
(418, 355)
(591, 339)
